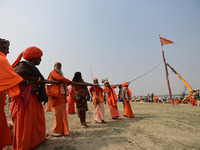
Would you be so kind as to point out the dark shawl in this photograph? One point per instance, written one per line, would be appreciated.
(29, 70)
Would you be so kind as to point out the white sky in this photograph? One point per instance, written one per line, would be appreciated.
(118, 39)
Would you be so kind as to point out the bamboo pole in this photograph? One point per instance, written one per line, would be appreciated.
(168, 84)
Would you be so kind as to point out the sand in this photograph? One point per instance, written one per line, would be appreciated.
(155, 126)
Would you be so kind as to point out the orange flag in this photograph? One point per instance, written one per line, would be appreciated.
(165, 41)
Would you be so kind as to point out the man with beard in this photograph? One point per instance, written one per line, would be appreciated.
(60, 126)
(26, 109)
(8, 84)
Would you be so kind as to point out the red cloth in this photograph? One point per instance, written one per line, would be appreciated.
(48, 107)
(29, 123)
(114, 111)
(71, 101)
(8, 78)
(8, 83)
(23, 97)
(127, 109)
(111, 96)
(60, 98)
(5, 138)
(61, 122)
(98, 90)
(165, 41)
(98, 94)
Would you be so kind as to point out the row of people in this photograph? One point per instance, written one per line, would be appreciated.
(25, 85)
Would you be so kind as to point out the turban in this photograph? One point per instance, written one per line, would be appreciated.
(95, 79)
(124, 84)
(106, 82)
(57, 63)
(28, 54)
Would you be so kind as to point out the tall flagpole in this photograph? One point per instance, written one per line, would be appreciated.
(170, 93)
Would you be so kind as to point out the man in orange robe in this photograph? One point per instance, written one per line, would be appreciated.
(126, 95)
(154, 99)
(26, 108)
(60, 126)
(98, 102)
(192, 101)
(71, 101)
(8, 84)
(111, 100)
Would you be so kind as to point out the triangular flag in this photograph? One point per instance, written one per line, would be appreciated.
(165, 41)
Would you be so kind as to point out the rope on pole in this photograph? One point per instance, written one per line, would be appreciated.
(145, 73)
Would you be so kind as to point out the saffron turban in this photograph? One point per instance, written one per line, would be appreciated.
(95, 79)
(106, 82)
(28, 54)
(124, 84)
(57, 63)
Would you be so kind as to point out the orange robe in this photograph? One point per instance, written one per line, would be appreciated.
(192, 101)
(112, 101)
(27, 112)
(8, 84)
(5, 138)
(154, 99)
(48, 107)
(71, 101)
(29, 123)
(135, 99)
(126, 105)
(59, 105)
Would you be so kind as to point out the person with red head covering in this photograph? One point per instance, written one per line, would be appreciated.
(111, 100)
(26, 108)
(8, 84)
(58, 102)
(98, 101)
(192, 101)
(126, 96)
(71, 101)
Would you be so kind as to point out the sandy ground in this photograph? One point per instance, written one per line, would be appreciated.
(155, 126)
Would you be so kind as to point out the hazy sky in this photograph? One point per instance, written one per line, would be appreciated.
(117, 39)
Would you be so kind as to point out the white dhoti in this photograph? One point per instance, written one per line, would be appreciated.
(98, 111)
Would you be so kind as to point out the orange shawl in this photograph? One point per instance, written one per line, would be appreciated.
(8, 78)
